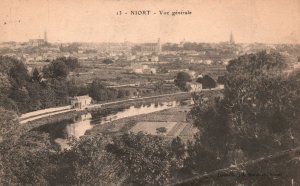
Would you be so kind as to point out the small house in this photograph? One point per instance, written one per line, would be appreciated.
(193, 86)
(142, 69)
(81, 102)
(154, 58)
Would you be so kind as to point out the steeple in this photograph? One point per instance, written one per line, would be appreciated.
(45, 36)
(159, 45)
(231, 39)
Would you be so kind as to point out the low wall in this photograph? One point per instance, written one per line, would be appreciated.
(40, 112)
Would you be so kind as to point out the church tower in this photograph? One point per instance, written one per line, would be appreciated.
(158, 45)
(45, 36)
(231, 39)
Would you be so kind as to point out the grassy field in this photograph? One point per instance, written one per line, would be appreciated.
(151, 127)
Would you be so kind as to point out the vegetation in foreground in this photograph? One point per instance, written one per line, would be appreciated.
(257, 116)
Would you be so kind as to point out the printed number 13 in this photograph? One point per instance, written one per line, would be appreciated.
(119, 12)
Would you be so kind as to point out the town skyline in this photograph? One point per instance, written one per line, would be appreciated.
(96, 21)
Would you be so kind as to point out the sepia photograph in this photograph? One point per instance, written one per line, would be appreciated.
(150, 93)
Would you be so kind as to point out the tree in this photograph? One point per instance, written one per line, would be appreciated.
(199, 80)
(209, 117)
(8, 123)
(178, 147)
(47, 96)
(21, 97)
(56, 69)
(99, 92)
(5, 84)
(221, 80)
(208, 82)
(178, 151)
(123, 93)
(6, 63)
(112, 93)
(83, 90)
(200, 159)
(161, 130)
(36, 75)
(29, 161)
(19, 73)
(9, 133)
(107, 61)
(61, 91)
(88, 163)
(71, 63)
(8, 104)
(73, 89)
(147, 158)
(181, 79)
(258, 114)
(34, 94)
(258, 63)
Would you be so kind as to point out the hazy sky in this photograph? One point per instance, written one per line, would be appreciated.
(268, 21)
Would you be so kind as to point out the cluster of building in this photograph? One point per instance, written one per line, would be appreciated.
(141, 69)
(40, 50)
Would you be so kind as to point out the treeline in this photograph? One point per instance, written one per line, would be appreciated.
(99, 92)
(72, 48)
(128, 159)
(182, 78)
(221, 49)
(23, 92)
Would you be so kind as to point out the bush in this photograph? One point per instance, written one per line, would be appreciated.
(161, 130)
(181, 79)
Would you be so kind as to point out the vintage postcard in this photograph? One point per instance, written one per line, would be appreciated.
(150, 92)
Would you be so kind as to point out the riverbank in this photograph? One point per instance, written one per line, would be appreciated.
(143, 100)
(74, 113)
(51, 119)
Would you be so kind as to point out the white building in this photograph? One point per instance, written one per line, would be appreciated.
(193, 86)
(81, 102)
(142, 69)
(36, 42)
(154, 58)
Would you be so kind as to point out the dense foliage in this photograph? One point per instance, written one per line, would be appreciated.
(207, 82)
(148, 160)
(210, 49)
(181, 79)
(99, 92)
(128, 159)
(108, 61)
(22, 91)
(258, 115)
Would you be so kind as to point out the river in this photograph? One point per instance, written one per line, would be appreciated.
(61, 132)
